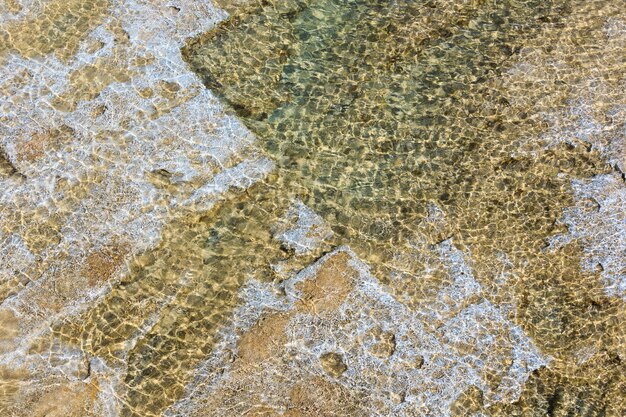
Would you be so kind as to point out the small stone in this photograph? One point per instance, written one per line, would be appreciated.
(386, 345)
(333, 364)
(419, 362)
(397, 398)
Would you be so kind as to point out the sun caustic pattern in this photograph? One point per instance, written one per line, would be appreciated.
(312, 208)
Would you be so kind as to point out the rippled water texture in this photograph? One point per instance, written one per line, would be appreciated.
(405, 125)
(376, 112)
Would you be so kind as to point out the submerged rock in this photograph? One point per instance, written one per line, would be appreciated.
(328, 337)
(159, 258)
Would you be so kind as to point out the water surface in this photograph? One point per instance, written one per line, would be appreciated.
(377, 114)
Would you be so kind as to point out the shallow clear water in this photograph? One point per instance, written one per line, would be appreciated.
(375, 110)
(377, 114)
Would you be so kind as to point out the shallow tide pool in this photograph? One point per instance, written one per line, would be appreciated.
(442, 142)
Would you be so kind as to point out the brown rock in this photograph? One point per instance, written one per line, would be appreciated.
(100, 265)
(333, 364)
(8, 325)
(67, 400)
(329, 287)
(264, 340)
(319, 397)
(46, 141)
(386, 343)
